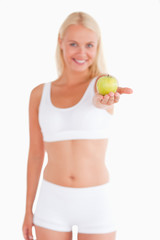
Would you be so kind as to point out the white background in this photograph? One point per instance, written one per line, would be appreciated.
(130, 34)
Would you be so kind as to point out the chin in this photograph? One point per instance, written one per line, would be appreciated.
(80, 70)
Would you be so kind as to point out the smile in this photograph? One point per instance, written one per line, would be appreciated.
(80, 62)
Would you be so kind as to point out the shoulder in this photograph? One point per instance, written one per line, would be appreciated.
(36, 93)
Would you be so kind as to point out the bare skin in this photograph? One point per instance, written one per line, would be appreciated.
(82, 162)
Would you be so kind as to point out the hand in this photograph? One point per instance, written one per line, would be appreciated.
(27, 226)
(121, 90)
(111, 98)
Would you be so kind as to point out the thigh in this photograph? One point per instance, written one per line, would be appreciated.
(53, 208)
(96, 213)
(104, 236)
(47, 234)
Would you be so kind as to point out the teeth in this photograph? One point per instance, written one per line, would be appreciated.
(80, 61)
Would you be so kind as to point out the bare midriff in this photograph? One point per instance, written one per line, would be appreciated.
(76, 163)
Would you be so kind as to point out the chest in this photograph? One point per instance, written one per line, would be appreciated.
(71, 115)
(65, 97)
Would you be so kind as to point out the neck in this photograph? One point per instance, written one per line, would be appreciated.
(70, 78)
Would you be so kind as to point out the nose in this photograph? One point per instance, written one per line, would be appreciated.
(81, 50)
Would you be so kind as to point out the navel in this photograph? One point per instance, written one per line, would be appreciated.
(72, 177)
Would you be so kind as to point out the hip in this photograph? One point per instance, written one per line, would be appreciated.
(90, 208)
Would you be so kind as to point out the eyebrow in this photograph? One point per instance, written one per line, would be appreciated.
(77, 42)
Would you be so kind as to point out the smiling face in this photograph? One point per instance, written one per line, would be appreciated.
(79, 47)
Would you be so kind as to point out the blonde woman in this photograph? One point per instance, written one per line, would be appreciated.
(70, 121)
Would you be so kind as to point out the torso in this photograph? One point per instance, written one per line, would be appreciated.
(74, 163)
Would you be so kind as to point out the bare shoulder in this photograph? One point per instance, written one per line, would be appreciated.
(36, 94)
(36, 149)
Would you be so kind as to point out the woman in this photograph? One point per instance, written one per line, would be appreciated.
(70, 121)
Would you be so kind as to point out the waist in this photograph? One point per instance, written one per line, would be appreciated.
(77, 177)
(76, 162)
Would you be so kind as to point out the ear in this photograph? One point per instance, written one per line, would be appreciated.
(60, 41)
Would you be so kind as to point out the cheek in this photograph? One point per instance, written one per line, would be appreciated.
(92, 54)
(68, 52)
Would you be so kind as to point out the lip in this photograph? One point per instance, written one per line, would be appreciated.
(74, 59)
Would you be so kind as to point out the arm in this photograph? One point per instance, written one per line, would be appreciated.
(98, 101)
(36, 149)
(107, 102)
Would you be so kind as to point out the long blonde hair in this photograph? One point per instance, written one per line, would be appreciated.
(98, 67)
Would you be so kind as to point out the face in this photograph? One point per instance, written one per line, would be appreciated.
(79, 47)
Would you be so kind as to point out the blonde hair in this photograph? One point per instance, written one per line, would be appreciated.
(98, 67)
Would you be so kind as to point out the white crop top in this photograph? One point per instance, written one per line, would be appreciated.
(81, 121)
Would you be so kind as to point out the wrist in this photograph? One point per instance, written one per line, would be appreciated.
(28, 209)
(110, 108)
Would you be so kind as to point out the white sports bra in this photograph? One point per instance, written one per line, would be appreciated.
(81, 121)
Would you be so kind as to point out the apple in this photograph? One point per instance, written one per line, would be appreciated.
(106, 84)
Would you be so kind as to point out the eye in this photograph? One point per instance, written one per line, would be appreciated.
(73, 44)
(90, 45)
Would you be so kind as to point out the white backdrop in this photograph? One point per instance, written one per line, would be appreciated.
(130, 34)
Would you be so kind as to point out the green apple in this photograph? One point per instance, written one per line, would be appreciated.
(106, 84)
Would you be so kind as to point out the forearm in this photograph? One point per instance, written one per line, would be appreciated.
(33, 174)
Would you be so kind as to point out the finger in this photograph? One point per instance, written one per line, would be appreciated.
(25, 234)
(111, 98)
(116, 97)
(30, 236)
(105, 99)
(99, 97)
(124, 90)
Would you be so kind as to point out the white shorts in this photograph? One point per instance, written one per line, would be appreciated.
(90, 208)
